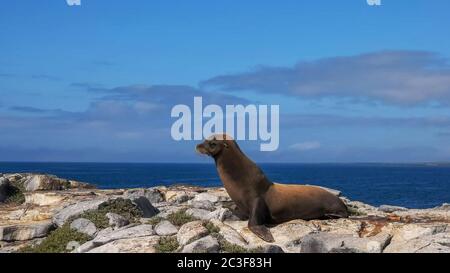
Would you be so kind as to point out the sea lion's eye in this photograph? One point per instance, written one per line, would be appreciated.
(212, 145)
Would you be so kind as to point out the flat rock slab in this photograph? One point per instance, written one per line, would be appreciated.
(105, 237)
(415, 238)
(76, 209)
(322, 242)
(229, 234)
(152, 194)
(206, 244)
(84, 226)
(203, 214)
(178, 197)
(191, 231)
(206, 205)
(165, 228)
(25, 232)
(437, 243)
(44, 198)
(36, 182)
(145, 244)
(116, 220)
(389, 208)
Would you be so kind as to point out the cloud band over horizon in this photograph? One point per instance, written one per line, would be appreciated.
(132, 122)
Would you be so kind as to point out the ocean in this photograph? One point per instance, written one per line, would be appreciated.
(408, 185)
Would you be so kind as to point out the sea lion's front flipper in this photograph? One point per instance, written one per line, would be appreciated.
(258, 217)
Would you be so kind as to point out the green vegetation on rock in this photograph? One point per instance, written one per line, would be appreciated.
(353, 211)
(212, 229)
(180, 217)
(57, 241)
(228, 247)
(123, 207)
(167, 244)
(95, 216)
(154, 220)
(15, 193)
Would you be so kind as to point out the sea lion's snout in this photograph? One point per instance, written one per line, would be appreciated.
(200, 148)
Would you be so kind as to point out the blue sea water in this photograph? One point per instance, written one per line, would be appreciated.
(413, 186)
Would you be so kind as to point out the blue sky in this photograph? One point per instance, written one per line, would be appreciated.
(355, 83)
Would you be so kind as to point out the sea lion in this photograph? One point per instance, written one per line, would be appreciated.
(261, 201)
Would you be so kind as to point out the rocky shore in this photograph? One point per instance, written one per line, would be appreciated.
(44, 213)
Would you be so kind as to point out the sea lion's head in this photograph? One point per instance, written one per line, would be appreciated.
(215, 145)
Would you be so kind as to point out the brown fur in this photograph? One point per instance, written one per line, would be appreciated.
(262, 201)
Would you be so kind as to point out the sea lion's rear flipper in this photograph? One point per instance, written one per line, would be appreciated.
(258, 217)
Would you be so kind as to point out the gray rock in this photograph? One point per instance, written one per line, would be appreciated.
(84, 247)
(75, 209)
(436, 243)
(206, 244)
(116, 220)
(272, 249)
(177, 197)
(37, 182)
(16, 246)
(165, 228)
(202, 214)
(199, 213)
(419, 238)
(44, 182)
(322, 242)
(144, 205)
(85, 226)
(25, 232)
(16, 177)
(230, 234)
(123, 233)
(444, 206)
(72, 245)
(204, 196)
(191, 231)
(106, 232)
(220, 214)
(205, 204)
(4, 188)
(152, 194)
(288, 233)
(43, 198)
(389, 208)
(144, 244)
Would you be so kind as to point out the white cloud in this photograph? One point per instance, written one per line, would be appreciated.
(394, 77)
(306, 146)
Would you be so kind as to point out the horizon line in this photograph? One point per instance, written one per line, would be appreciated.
(259, 162)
